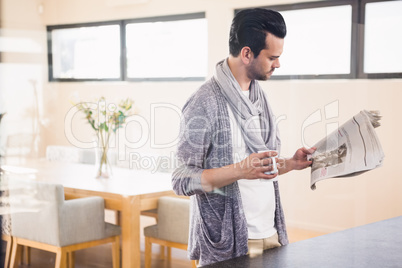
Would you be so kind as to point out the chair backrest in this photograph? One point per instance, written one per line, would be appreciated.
(173, 219)
(70, 154)
(20, 144)
(5, 224)
(76, 155)
(4, 205)
(34, 208)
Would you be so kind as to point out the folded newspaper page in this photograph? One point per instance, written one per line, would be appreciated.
(350, 150)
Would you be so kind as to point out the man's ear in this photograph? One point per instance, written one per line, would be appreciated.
(246, 55)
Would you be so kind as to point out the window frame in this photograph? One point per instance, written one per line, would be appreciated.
(123, 52)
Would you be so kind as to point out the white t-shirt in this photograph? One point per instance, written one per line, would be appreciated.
(258, 196)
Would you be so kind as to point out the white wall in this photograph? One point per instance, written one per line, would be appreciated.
(336, 204)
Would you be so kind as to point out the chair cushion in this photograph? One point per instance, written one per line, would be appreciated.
(151, 231)
(112, 230)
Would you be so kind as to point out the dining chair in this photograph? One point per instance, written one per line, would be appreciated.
(6, 237)
(20, 144)
(71, 154)
(8, 240)
(171, 229)
(5, 226)
(41, 218)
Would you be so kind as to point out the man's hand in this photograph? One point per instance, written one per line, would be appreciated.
(255, 166)
(300, 158)
(297, 162)
(252, 167)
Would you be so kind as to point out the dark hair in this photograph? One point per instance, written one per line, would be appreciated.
(250, 27)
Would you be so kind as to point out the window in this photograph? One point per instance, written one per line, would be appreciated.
(167, 49)
(382, 39)
(320, 52)
(85, 53)
(160, 48)
(341, 39)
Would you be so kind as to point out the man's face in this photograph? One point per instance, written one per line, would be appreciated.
(262, 67)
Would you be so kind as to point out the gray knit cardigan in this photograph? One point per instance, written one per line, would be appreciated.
(218, 227)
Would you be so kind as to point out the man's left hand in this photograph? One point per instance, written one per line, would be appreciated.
(300, 158)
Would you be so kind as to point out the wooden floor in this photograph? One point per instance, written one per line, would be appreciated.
(101, 256)
(296, 234)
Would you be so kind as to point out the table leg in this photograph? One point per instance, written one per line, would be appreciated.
(130, 228)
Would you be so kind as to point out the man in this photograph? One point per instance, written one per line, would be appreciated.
(235, 205)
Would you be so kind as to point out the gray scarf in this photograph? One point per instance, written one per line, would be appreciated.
(254, 114)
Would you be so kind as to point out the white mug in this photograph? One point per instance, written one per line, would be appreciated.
(275, 168)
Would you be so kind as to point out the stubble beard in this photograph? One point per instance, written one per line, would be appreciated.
(254, 74)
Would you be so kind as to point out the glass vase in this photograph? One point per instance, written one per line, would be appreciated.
(102, 164)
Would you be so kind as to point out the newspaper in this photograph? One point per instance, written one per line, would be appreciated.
(350, 150)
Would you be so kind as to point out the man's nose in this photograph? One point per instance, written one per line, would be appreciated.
(276, 64)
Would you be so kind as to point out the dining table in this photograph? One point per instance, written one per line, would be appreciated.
(128, 191)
